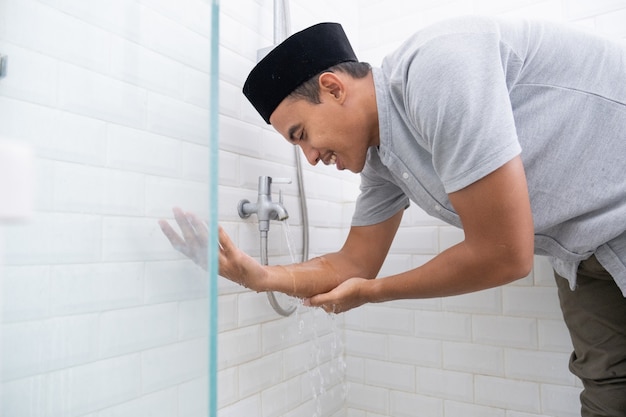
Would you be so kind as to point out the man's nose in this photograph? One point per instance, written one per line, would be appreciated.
(311, 154)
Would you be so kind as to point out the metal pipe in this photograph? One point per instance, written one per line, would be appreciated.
(282, 29)
(271, 297)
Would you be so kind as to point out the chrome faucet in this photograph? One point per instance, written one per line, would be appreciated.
(265, 208)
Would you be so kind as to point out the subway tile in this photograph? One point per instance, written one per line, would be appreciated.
(443, 325)
(170, 117)
(164, 193)
(455, 408)
(390, 375)
(79, 188)
(365, 397)
(58, 34)
(505, 331)
(449, 236)
(473, 358)
(192, 14)
(164, 35)
(53, 239)
(227, 312)
(561, 401)
(297, 359)
(92, 287)
(74, 391)
(141, 151)
(130, 330)
(395, 264)
(280, 398)
(107, 15)
(370, 345)
(55, 134)
(197, 88)
(254, 308)
(193, 318)
(25, 293)
(167, 281)
(487, 302)
(193, 397)
(159, 404)
(228, 168)
(110, 100)
(245, 407)
(133, 239)
(260, 374)
(416, 351)
(169, 365)
(554, 336)
(100, 384)
(239, 346)
(34, 347)
(540, 302)
(389, 320)
(507, 393)
(451, 385)
(405, 404)
(228, 383)
(532, 365)
(416, 240)
(196, 162)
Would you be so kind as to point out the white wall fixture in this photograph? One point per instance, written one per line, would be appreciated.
(16, 181)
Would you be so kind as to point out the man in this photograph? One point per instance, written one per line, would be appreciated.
(513, 130)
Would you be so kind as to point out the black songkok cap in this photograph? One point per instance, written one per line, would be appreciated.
(294, 61)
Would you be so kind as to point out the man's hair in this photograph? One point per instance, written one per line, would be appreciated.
(309, 90)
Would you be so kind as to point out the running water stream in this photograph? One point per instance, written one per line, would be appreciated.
(326, 367)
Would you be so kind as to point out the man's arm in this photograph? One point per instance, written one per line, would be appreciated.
(498, 248)
(362, 255)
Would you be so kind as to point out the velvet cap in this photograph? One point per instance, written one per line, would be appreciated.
(294, 61)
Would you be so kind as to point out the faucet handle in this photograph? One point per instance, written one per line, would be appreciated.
(281, 180)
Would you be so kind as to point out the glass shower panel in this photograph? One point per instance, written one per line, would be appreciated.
(105, 126)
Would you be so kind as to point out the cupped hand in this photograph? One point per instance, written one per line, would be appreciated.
(346, 296)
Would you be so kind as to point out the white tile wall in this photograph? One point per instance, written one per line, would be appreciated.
(113, 96)
(100, 317)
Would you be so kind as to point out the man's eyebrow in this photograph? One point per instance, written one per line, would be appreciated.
(293, 130)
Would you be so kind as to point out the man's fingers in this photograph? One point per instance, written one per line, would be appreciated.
(185, 227)
(175, 240)
(199, 226)
(224, 240)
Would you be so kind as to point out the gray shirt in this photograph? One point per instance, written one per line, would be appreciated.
(458, 100)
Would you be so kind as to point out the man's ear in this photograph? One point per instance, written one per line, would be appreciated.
(332, 84)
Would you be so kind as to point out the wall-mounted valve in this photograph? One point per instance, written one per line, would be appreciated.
(267, 210)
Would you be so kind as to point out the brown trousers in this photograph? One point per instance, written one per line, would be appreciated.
(595, 314)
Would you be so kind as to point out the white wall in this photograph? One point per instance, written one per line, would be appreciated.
(500, 352)
(100, 316)
(113, 98)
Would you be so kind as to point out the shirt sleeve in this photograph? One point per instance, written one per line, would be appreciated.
(457, 98)
(380, 198)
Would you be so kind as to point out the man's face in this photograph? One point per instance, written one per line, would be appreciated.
(329, 131)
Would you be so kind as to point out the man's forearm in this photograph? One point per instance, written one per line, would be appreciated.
(315, 276)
